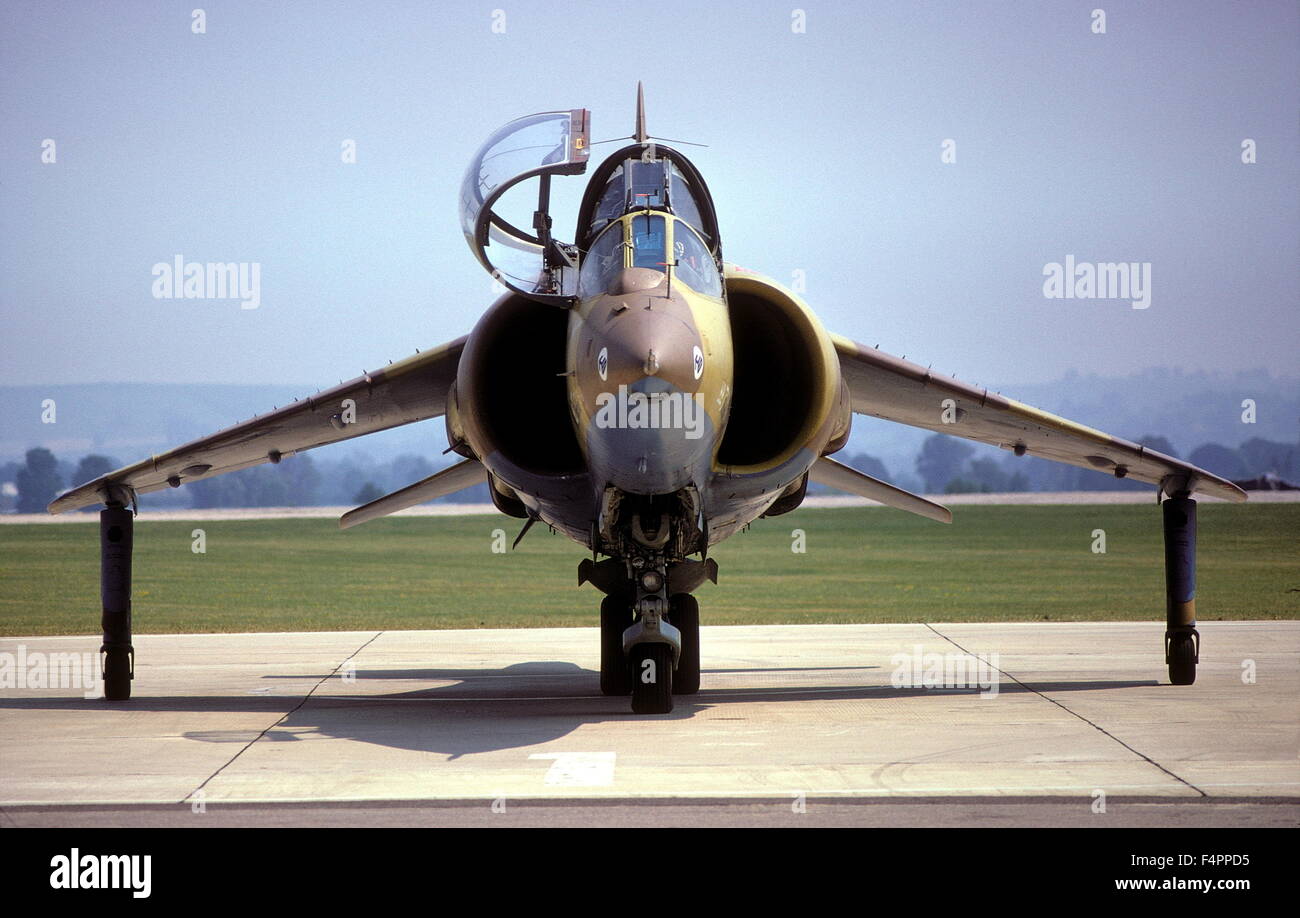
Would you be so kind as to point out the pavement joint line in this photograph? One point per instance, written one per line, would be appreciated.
(1102, 730)
(283, 717)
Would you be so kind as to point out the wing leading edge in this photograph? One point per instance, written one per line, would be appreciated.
(888, 387)
(414, 389)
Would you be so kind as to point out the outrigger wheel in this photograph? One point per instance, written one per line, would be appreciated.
(117, 674)
(1181, 656)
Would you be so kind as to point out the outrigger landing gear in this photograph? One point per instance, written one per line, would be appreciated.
(115, 538)
(1182, 640)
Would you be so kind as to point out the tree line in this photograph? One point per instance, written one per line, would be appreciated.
(944, 465)
(947, 465)
(298, 481)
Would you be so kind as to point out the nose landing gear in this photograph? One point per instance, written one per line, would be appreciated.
(650, 645)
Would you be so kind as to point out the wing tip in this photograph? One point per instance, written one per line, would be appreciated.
(65, 502)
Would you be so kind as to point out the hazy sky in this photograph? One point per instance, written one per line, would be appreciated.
(824, 157)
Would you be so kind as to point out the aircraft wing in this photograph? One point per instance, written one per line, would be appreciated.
(885, 386)
(410, 390)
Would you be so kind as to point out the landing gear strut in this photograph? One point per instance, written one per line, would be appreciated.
(1182, 640)
(115, 538)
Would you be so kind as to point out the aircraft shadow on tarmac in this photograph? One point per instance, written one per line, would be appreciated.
(470, 711)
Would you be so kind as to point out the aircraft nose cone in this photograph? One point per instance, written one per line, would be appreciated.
(648, 343)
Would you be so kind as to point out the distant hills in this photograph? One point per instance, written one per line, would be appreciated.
(127, 420)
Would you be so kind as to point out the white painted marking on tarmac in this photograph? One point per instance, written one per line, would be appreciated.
(579, 769)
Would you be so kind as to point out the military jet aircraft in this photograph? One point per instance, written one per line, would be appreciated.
(645, 397)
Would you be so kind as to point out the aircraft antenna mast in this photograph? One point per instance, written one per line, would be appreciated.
(641, 136)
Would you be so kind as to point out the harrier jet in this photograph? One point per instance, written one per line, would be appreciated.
(640, 394)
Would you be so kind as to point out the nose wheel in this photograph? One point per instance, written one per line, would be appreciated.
(652, 678)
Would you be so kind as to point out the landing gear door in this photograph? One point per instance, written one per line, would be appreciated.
(515, 246)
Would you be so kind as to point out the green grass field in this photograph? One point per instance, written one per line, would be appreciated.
(1023, 563)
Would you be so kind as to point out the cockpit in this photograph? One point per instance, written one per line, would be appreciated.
(650, 180)
(649, 239)
(647, 207)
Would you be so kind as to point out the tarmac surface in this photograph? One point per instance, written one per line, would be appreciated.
(1040, 724)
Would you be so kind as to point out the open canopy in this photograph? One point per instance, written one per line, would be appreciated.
(524, 258)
